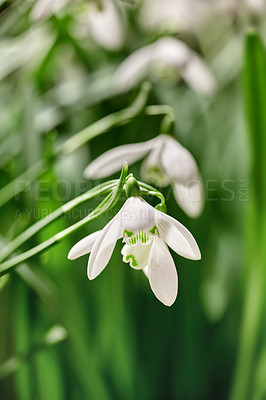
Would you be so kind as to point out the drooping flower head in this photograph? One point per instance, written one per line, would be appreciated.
(168, 162)
(146, 233)
(170, 54)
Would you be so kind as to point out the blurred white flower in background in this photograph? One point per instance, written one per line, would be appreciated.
(103, 21)
(46, 8)
(170, 54)
(256, 6)
(189, 15)
(105, 25)
(168, 162)
(145, 231)
(25, 50)
(173, 15)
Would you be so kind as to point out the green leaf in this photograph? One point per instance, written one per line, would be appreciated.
(254, 87)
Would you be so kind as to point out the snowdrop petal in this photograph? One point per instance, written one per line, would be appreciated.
(176, 54)
(255, 6)
(46, 8)
(84, 246)
(152, 170)
(178, 162)
(177, 236)
(166, 51)
(162, 273)
(134, 68)
(137, 256)
(137, 215)
(112, 160)
(174, 15)
(104, 246)
(198, 76)
(105, 26)
(182, 169)
(190, 198)
(146, 271)
(170, 53)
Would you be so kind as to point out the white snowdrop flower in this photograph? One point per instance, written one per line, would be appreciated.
(105, 25)
(167, 162)
(174, 15)
(171, 54)
(256, 7)
(146, 233)
(46, 8)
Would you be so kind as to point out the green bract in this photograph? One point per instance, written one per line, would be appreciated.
(132, 187)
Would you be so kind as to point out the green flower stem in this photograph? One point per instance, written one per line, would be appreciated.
(149, 190)
(54, 336)
(39, 283)
(22, 182)
(108, 203)
(10, 264)
(105, 124)
(99, 127)
(160, 110)
(169, 119)
(32, 230)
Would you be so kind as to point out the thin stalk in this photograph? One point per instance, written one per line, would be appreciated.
(168, 122)
(160, 110)
(149, 190)
(105, 124)
(32, 230)
(22, 182)
(54, 336)
(108, 203)
(99, 127)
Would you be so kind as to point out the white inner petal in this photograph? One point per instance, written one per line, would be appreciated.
(152, 170)
(137, 256)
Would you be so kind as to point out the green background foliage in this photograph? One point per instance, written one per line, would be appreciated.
(111, 338)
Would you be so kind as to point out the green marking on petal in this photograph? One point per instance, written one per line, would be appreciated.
(127, 233)
(154, 230)
(155, 173)
(154, 170)
(133, 262)
(141, 236)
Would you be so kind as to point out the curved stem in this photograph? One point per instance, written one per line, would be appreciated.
(55, 335)
(108, 203)
(105, 124)
(99, 127)
(160, 110)
(22, 182)
(10, 264)
(149, 190)
(32, 230)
